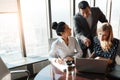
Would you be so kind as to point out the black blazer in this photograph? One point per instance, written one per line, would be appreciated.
(81, 26)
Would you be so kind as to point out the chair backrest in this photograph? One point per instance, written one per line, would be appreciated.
(51, 40)
(4, 72)
(117, 59)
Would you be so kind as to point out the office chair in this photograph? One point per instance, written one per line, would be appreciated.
(115, 74)
(50, 41)
(5, 74)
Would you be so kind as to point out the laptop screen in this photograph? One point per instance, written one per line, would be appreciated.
(91, 65)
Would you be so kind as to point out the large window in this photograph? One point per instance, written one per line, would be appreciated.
(115, 18)
(9, 37)
(28, 17)
(35, 27)
(60, 11)
(9, 31)
(32, 17)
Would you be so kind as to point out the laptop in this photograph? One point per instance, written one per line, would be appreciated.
(90, 65)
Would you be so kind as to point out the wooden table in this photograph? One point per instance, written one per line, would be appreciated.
(47, 74)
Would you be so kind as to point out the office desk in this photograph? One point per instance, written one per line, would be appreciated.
(47, 74)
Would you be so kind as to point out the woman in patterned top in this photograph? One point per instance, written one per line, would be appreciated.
(105, 45)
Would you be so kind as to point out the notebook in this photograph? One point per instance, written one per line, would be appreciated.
(91, 65)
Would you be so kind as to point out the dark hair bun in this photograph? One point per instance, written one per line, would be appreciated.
(54, 25)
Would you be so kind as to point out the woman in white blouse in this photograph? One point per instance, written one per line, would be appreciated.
(65, 47)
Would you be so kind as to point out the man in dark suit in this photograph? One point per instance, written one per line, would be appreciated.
(85, 25)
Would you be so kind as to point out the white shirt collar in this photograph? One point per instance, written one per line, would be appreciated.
(61, 40)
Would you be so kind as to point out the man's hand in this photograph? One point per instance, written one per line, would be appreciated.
(87, 42)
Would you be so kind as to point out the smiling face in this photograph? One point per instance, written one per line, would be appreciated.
(67, 31)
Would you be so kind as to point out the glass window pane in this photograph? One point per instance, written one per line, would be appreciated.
(9, 37)
(8, 6)
(115, 18)
(35, 27)
(102, 4)
(60, 11)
